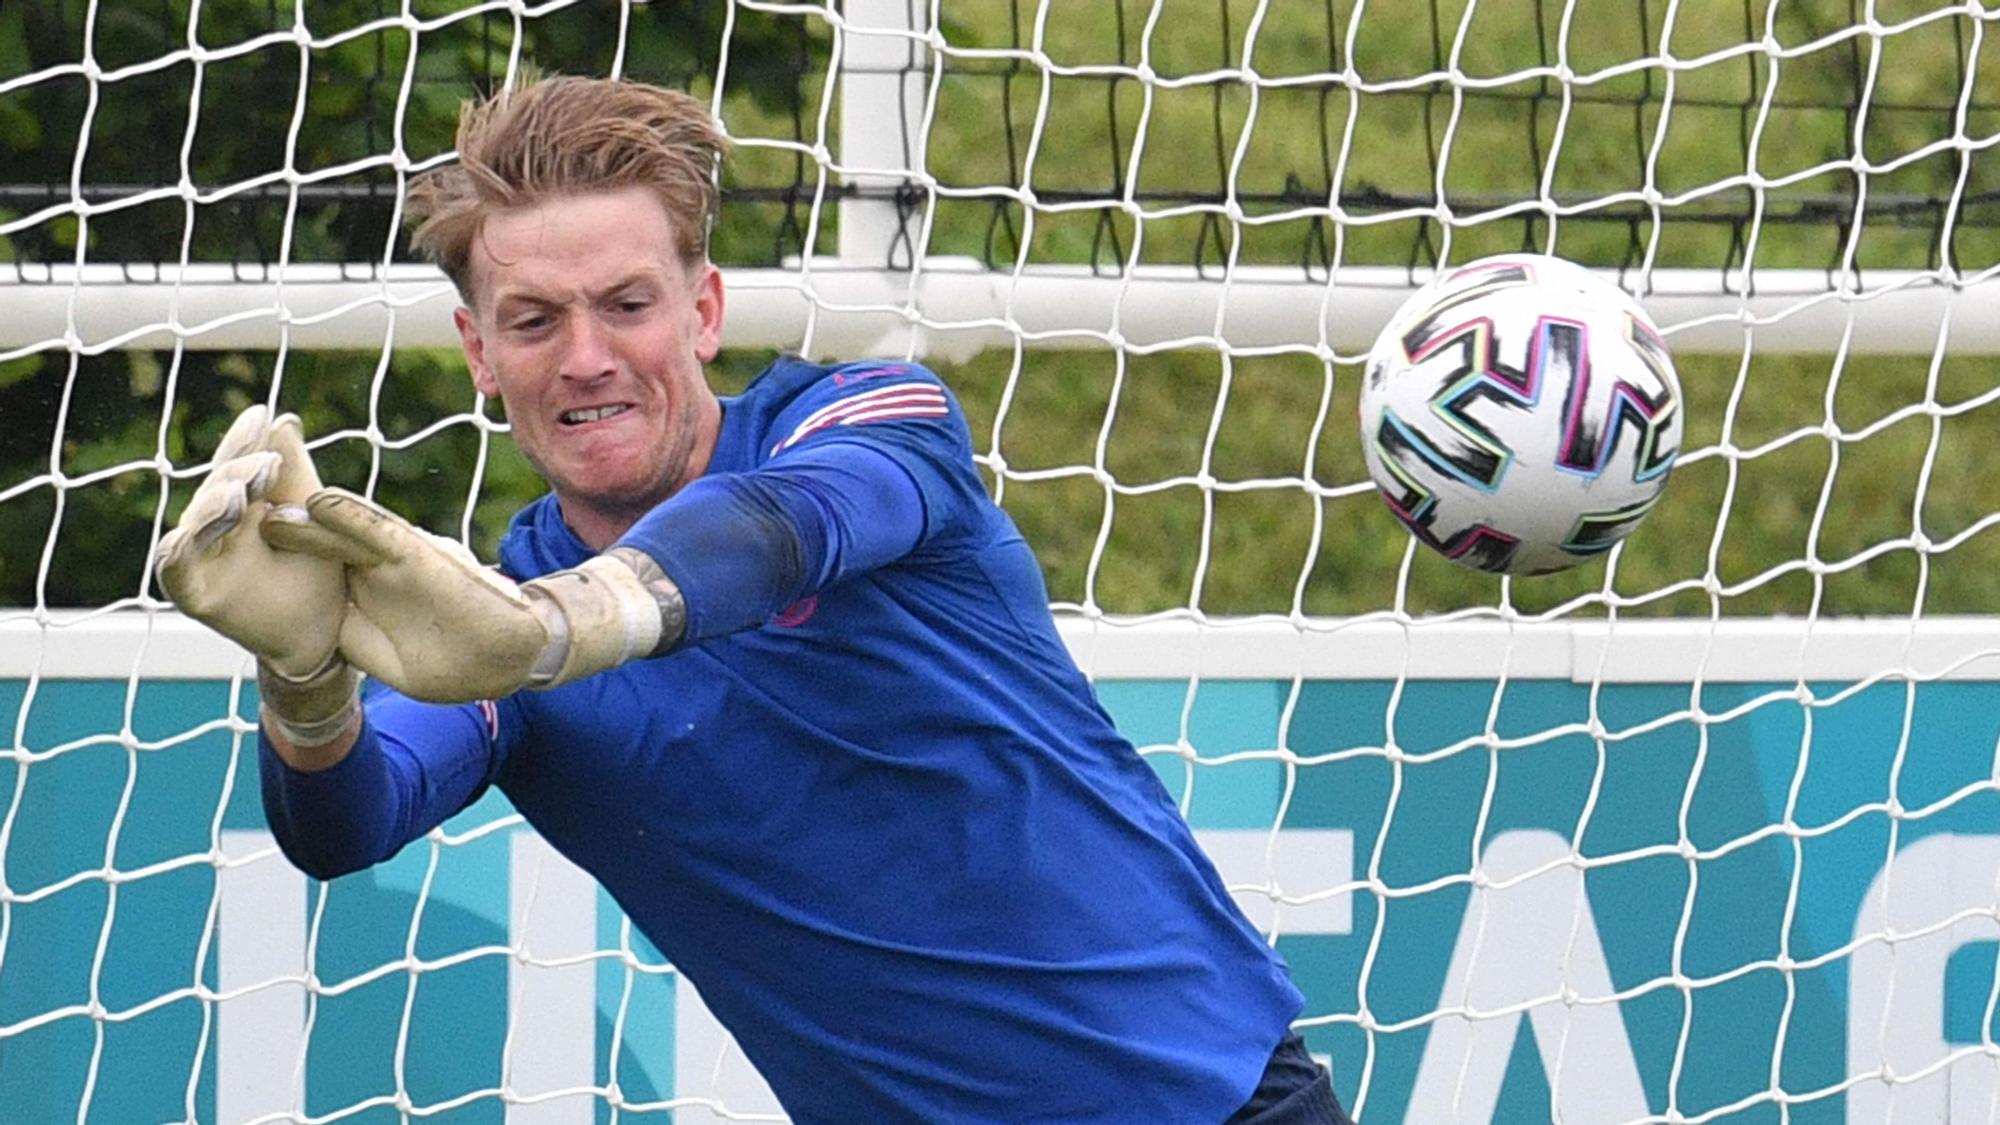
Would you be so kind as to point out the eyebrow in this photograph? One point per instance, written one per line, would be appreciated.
(530, 298)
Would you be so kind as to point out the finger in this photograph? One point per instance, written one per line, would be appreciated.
(385, 533)
(289, 527)
(262, 473)
(246, 434)
(218, 505)
(228, 516)
(299, 478)
(172, 565)
(216, 510)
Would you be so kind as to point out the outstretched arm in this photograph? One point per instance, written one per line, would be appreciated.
(724, 554)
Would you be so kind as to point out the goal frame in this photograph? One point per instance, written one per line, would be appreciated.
(860, 303)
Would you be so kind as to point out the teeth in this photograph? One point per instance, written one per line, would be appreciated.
(596, 413)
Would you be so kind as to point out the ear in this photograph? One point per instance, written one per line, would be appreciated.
(475, 352)
(708, 308)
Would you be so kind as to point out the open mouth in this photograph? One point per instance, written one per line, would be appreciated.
(592, 414)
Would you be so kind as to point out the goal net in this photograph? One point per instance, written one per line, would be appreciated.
(1706, 830)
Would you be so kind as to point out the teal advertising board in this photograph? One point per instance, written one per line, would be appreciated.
(1739, 905)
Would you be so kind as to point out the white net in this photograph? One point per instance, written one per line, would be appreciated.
(1704, 831)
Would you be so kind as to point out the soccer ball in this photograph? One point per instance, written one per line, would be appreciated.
(1520, 414)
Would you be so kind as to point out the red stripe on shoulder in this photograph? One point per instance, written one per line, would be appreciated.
(902, 400)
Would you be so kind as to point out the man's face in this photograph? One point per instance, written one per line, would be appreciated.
(593, 333)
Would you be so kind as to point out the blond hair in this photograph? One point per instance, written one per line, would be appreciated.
(552, 137)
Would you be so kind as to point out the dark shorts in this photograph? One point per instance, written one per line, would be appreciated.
(1295, 1090)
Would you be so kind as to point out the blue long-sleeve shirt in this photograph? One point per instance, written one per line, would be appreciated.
(870, 806)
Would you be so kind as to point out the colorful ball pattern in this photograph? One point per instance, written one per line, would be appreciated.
(1520, 414)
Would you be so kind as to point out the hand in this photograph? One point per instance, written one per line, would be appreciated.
(428, 620)
(285, 608)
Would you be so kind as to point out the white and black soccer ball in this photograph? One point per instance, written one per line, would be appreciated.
(1520, 414)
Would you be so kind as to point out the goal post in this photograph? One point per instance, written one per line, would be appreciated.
(1706, 830)
(952, 308)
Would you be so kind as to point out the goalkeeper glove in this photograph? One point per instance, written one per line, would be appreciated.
(285, 608)
(427, 619)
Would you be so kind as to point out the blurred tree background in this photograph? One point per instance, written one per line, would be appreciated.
(84, 414)
(1805, 479)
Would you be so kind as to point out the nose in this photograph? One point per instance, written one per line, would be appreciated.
(589, 354)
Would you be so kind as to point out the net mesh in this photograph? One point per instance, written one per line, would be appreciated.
(1618, 844)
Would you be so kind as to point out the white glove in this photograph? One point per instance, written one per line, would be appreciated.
(285, 608)
(428, 620)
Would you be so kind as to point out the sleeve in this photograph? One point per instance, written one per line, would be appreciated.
(863, 474)
(905, 413)
(413, 766)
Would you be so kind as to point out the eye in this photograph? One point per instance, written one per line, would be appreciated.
(531, 324)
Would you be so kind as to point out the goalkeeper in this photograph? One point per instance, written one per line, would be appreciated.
(773, 668)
